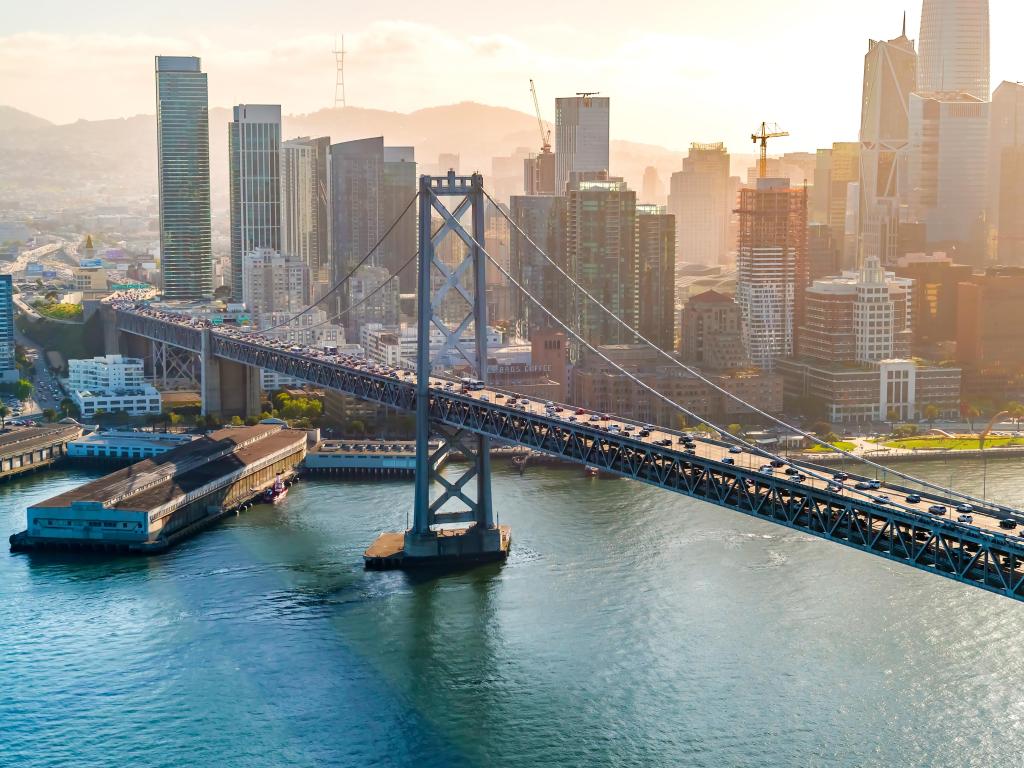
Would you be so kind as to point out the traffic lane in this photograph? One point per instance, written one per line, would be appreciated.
(897, 499)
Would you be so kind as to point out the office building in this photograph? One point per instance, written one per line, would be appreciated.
(254, 159)
(183, 169)
(890, 76)
(949, 135)
(8, 365)
(824, 257)
(936, 281)
(712, 336)
(306, 207)
(398, 187)
(700, 198)
(601, 257)
(273, 283)
(371, 186)
(653, 191)
(845, 171)
(539, 174)
(543, 220)
(111, 384)
(656, 266)
(990, 316)
(772, 270)
(601, 387)
(1006, 173)
(581, 136)
(855, 341)
(954, 48)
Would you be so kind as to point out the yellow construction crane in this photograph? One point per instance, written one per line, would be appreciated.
(545, 136)
(767, 132)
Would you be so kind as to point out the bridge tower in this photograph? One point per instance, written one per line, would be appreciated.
(451, 279)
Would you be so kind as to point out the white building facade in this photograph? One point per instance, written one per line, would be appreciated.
(111, 384)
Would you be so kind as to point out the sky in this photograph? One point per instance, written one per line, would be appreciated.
(677, 71)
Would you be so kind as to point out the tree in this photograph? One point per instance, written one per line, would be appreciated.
(4, 413)
(236, 421)
(50, 415)
(892, 416)
(222, 292)
(174, 419)
(1015, 411)
(970, 412)
(51, 297)
(69, 408)
(821, 428)
(931, 413)
(23, 389)
(734, 429)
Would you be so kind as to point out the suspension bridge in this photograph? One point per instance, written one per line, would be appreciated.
(897, 517)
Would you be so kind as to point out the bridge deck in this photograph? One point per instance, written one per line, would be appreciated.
(980, 553)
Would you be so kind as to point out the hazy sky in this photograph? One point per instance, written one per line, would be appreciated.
(677, 70)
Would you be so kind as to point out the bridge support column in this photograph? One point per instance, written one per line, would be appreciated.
(227, 388)
(468, 533)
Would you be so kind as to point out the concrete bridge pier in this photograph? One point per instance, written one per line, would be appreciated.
(227, 388)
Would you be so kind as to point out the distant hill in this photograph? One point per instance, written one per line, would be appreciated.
(118, 156)
(12, 119)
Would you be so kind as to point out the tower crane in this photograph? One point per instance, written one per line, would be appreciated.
(545, 136)
(767, 132)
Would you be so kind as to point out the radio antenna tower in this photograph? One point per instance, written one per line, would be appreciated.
(339, 80)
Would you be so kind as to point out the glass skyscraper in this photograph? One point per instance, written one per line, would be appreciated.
(183, 165)
(954, 47)
(8, 367)
(581, 137)
(254, 157)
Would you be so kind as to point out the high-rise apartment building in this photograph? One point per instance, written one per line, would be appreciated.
(948, 169)
(601, 257)
(581, 136)
(954, 48)
(539, 174)
(254, 160)
(398, 187)
(1006, 173)
(890, 76)
(8, 366)
(183, 167)
(772, 269)
(700, 199)
(371, 186)
(306, 206)
(273, 284)
(854, 352)
(543, 219)
(712, 336)
(656, 267)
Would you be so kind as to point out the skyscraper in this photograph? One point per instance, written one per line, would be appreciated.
(581, 136)
(1006, 173)
(601, 257)
(8, 366)
(306, 207)
(890, 76)
(543, 219)
(656, 267)
(254, 158)
(949, 168)
(772, 269)
(845, 172)
(398, 186)
(954, 47)
(371, 186)
(701, 202)
(183, 167)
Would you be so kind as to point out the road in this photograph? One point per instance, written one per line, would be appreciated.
(47, 393)
(887, 494)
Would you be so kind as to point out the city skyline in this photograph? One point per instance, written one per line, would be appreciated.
(290, 63)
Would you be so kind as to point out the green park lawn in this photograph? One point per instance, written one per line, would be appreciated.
(843, 444)
(952, 443)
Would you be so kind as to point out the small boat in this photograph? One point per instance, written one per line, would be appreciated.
(276, 492)
(592, 471)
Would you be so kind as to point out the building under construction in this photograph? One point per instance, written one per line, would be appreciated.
(772, 268)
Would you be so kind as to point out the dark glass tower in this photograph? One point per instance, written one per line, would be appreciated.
(183, 163)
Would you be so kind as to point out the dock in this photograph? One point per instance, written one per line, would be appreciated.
(154, 504)
(26, 449)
